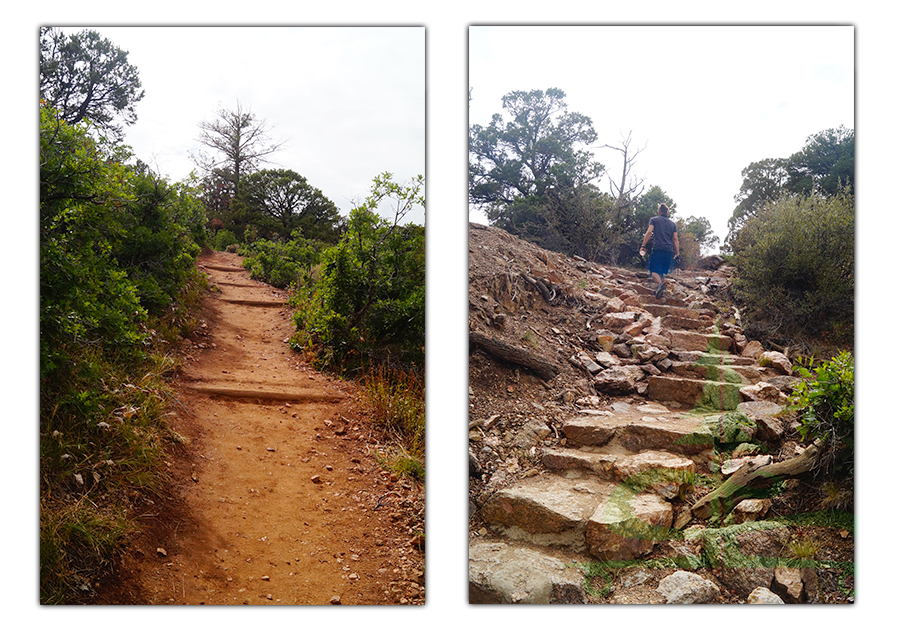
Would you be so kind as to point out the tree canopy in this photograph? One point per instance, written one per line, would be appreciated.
(825, 164)
(86, 78)
(538, 149)
(292, 203)
(535, 176)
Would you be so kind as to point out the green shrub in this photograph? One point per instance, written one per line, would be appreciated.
(795, 270)
(283, 264)
(117, 253)
(157, 250)
(222, 239)
(825, 402)
(368, 307)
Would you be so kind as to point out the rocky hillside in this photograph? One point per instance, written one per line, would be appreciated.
(629, 449)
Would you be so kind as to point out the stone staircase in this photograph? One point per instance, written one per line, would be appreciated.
(623, 480)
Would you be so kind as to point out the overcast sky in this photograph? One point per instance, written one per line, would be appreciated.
(704, 101)
(348, 101)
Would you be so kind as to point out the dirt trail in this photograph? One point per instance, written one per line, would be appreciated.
(277, 496)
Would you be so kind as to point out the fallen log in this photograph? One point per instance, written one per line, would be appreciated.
(718, 503)
(542, 367)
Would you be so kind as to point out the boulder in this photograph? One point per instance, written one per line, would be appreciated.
(753, 349)
(606, 359)
(619, 379)
(795, 586)
(622, 350)
(763, 391)
(614, 305)
(769, 427)
(684, 587)
(545, 510)
(741, 552)
(711, 262)
(569, 459)
(751, 509)
(532, 433)
(761, 595)
(618, 320)
(583, 360)
(778, 361)
(588, 430)
(606, 339)
(634, 329)
(668, 475)
(627, 525)
(648, 353)
(784, 383)
(503, 574)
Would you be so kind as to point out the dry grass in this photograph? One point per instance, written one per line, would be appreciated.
(397, 402)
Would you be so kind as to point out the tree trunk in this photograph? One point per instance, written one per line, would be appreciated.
(542, 367)
(718, 503)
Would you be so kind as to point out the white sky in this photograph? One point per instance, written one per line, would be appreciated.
(704, 101)
(447, 31)
(349, 101)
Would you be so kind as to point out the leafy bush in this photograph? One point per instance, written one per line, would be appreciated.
(116, 268)
(281, 264)
(825, 402)
(368, 307)
(157, 250)
(86, 296)
(223, 239)
(795, 270)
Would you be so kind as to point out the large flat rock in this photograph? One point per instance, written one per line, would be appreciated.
(664, 473)
(718, 372)
(649, 426)
(661, 310)
(501, 573)
(628, 524)
(694, 341)
(571, 459)
(695, 393)
(593, 430)
(546, 510)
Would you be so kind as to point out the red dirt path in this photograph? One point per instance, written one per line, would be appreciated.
(275, 497)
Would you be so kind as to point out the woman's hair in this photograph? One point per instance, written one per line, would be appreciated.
(663, 209)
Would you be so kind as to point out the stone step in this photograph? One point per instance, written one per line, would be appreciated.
(672, 432)
(648, 296)
(694, 393)
(667, 474)
(716, 358)
(662, 310)
(694, 341)
(732, 374)
(610, 521)
(683, 323)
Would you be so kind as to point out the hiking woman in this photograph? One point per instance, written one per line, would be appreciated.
(665, 247)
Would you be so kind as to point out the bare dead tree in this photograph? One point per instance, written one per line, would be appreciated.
(623, 192)
(241, 141)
